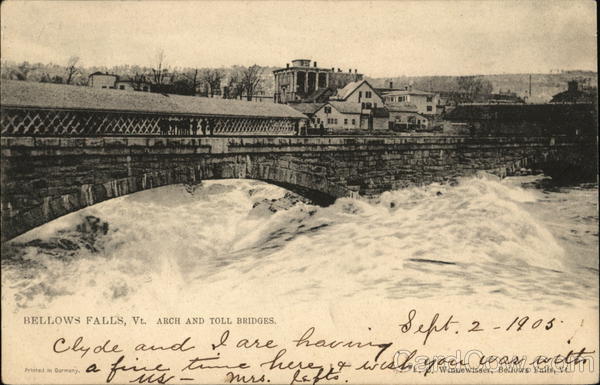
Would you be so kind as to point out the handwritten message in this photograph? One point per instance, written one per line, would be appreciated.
(309, 356)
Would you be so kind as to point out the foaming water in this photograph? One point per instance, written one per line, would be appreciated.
(490, 241)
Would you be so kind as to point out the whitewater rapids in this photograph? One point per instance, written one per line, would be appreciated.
(491, 242)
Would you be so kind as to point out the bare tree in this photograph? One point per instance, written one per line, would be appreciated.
(474, 86)
(160, 72)
(72, 68)
(251, 79)
(212, 78)
(138, 81)
(193, 79)
(235, 86)
(21, 72)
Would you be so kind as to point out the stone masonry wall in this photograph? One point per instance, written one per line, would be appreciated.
(44, 178)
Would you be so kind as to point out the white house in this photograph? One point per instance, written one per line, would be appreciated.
(426, 102)
(102, 80)
(360, 93)
(405, 116)
(356, 106)
(132, 85)
(106, 80)
(338, 115)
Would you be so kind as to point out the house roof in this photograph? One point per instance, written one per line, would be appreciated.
(344, 107)
(306, 108)
(574, 96)
(319, 94)
(102, 73)
(349, 89)
(410, 113)
(16, 93)
(409, 92)
(380, 112)
(401, 107)
(318, 69)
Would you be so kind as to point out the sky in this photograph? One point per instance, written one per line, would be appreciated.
(379, 38)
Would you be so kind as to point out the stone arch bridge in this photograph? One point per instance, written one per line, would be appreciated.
(61, 168)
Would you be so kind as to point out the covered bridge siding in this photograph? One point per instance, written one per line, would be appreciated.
(49, 109)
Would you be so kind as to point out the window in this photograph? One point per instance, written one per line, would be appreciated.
(430, 98)
(429, 108)
(368, 94)
(345, 122)
(359, 94)
(367, 106)
(328, 110)
(121, 87)
(145, 88)
(335, 121)
(353, 122)
(103, 86)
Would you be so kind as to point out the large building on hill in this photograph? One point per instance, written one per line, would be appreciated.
(303, 82)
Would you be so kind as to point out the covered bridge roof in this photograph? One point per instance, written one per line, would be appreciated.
(16, 93)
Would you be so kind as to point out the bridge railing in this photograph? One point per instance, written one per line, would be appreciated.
(62, 122)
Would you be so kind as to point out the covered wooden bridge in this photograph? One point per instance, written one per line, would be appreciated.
(32, 109)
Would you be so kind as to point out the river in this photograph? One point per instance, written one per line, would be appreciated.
(494, 243)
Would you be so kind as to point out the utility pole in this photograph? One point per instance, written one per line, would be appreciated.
(530, 86)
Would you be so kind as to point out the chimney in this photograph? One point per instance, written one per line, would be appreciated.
(315, 64)
(391, 85)
(332, 69)
(355, 71)
(287, 65)
(350, 70)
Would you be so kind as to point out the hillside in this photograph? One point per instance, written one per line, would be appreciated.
(543, 86)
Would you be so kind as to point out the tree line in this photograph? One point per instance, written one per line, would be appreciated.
(237, 82)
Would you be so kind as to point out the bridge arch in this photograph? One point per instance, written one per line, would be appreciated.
(53, 207)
